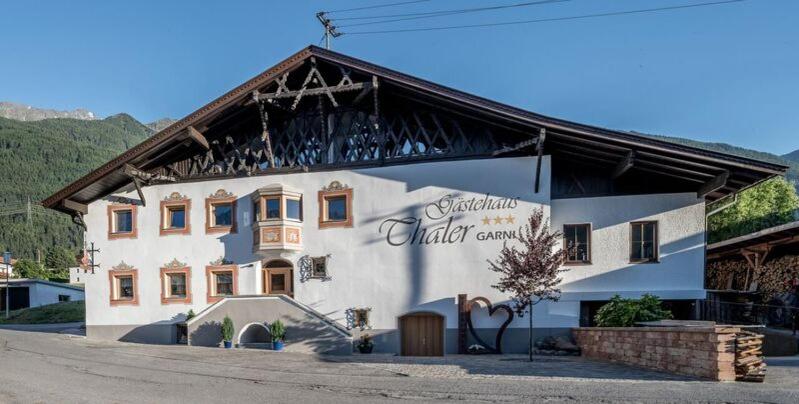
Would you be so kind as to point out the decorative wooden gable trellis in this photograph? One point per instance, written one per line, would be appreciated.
(301, 121)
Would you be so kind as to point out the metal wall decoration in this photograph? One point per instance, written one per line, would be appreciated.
(314, 268)
(358, 318)
(465, 323)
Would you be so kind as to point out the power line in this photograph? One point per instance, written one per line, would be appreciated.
(443, 13)
(576, 17)
(376, 6)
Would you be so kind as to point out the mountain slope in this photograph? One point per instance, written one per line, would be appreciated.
(43, 156)
(793, 156)
(22, 112)
(793, 165)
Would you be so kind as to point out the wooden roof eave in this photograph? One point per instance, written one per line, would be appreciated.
(460, 99)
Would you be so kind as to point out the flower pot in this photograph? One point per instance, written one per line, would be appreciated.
(277, 345)
(228, 344)
(365, 349)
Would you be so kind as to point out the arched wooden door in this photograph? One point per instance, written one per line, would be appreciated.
(421, 334)
(278, 278)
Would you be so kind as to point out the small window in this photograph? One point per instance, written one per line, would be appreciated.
(121, 221)
(336, 208)
(293, 209)
(273, 208)
(177, 217)
(223, 282)
(124, 221)
(577, 240)
(64, 298)
(223, 214)
(124, 288)
(644, 242)
(177, 285)
(278, 281)
(256, 211)
(319, 267)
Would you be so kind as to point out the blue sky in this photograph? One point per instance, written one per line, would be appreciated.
(726, 73)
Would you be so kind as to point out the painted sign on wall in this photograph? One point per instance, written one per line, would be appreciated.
(439, 223)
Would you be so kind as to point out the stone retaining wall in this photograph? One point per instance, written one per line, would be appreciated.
(706, 352)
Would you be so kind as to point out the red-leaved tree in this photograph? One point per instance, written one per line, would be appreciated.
(529, 272)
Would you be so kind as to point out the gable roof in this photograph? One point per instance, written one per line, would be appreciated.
(107, 178)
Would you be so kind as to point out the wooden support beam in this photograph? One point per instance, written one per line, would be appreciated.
(315, 91)
(539, 147)
(197, 137)
(624, 165)
(75, 206)
(713, 184)
(77, 218)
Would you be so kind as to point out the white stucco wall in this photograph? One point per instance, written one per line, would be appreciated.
(367, 271)
(42, 294)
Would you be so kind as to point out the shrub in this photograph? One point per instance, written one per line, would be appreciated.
(227, 329)
(620, 312)
(190, 315)
(365, 342)
(278, 330)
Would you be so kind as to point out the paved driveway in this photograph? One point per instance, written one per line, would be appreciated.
(51, 367)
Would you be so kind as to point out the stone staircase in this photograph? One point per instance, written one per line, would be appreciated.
(307, 330)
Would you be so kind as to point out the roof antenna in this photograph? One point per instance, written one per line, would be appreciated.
(330, 29)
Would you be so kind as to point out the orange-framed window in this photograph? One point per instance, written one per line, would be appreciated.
(122, 221)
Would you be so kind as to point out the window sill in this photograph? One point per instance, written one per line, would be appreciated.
(114, 236)
(335, 224)
(176, 300)
(124, 302)
(645, 262)
(577, 263)
(180, 231)
(220, 229)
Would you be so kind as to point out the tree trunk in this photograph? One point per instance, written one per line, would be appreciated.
(530, 341)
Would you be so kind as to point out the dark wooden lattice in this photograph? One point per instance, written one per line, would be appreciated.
(332, 126)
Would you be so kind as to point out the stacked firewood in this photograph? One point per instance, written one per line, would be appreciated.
(749, 364)
(772, 278)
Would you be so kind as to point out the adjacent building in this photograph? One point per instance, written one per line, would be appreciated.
(346, 198)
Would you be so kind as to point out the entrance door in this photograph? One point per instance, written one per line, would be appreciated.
(421, 334)
(277, 278)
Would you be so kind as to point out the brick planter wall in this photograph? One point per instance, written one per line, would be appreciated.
(706, 352)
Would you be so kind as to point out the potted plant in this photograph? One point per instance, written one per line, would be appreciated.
(227, 332)
(278, 331)
(365, 345)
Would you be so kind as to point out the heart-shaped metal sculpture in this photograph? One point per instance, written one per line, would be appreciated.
(497, 348)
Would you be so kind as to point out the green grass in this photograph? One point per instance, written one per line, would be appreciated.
(66, 312)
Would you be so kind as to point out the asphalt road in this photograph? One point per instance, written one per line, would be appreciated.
(49, 367)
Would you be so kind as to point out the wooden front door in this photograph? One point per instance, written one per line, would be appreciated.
(277, 281)
(421, 334)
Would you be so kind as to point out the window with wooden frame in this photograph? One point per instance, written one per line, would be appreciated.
(276, 202)
(175, 283)
(124, 288)
(122, 221)
(175, 215)
(220, 213)
(644, 242)
(577, 243)
(222, 278)
(335, 206)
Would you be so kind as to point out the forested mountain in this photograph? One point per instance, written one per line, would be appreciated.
(791, 160)
(39, 158)
(793, 156)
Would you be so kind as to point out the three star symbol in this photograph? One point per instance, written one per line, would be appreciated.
(498, 219)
